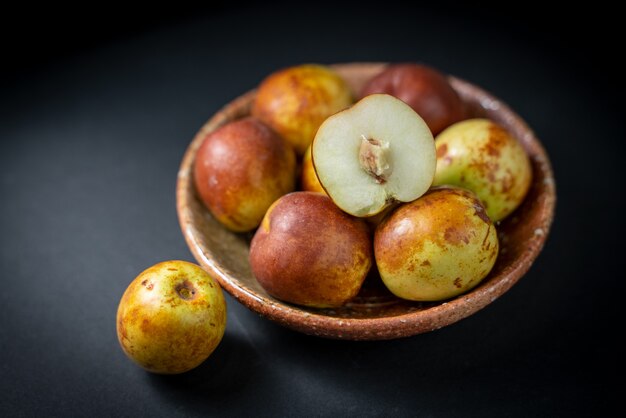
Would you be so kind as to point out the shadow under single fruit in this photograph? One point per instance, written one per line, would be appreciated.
(221, 378)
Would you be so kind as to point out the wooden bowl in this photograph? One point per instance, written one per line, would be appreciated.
(375, 314)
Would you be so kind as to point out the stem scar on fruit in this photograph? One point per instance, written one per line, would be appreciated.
(186, 290)
(374, 158)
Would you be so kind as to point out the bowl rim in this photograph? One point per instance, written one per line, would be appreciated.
(387, 327)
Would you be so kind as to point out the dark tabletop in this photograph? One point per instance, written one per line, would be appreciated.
(95, 115)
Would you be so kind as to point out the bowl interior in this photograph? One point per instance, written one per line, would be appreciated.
(375, 313)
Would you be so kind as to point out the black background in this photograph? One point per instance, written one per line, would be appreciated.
(97, 107)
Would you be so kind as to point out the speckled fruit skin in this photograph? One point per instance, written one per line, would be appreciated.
(171, 317)
(309, 252)
(296, 100)
(240, 170)
(436, 247)
(308, 179)
(423, 88)
(481, 156)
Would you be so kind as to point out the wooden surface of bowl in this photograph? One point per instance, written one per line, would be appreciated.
(375, 314)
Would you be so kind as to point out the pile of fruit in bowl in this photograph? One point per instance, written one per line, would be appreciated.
(365, 201)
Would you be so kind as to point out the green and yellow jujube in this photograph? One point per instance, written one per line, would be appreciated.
(481, 156)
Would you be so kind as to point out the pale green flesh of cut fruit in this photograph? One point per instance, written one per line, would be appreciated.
(410, 155)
